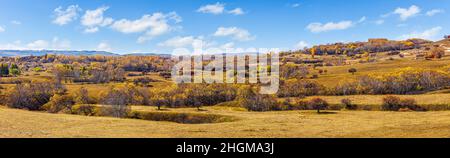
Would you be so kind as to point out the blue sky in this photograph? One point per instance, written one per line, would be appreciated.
(160, 26)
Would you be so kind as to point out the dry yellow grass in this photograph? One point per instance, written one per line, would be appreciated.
(423, 99)
(20, 123)
(336, 74)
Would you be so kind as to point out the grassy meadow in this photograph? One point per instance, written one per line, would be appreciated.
(367, 121)
(283, 124)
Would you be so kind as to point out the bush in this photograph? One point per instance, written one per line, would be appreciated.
(391, 103)
(59, 103)
(253, 101)
(120, 111)
(348, 104)
(84, 109)
(31, 96)
(352, 71)
(262, 103)
(143, 81)
(411, 104)
(287, 104)
(82, 96)
(299, 88)
(403, 81)
(302, 105)
(344, 88)
(318, 104)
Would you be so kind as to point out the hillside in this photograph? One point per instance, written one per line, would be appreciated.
(20, 123)
(11, 53)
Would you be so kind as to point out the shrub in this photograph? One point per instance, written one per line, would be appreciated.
(318, 104)
(391, 103)
(352, 71)
(348, 104)
(158, 101)
(82, 96)
(84, 109)
(31, 96)
(120, 111)
(302, 105)
(115, 96)
(59, 103)
(403, 81)
(143, 81)
(344, 88)
(287, 104)
(253, 101)
(125, 95)
(262, 103)
(411, 104)
(299, 88)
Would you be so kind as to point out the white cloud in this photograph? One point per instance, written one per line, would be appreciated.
(236, 33)
(379, 22)
(237, 11)
(295, 5)
(63, 17)
(16, 45)
(91, 30)
(186, 41)
(39, 44)
(330, 26)
(2, 29)
(301, 45)
(430, 34)
(217, 8)
(434, 12)
(362, 19)
(178, 41)
(153, 25)
(406, 13)
(104, 46)
(228, 45)
(15, 22)
(58, 44)
(55, 44)
(93, 19)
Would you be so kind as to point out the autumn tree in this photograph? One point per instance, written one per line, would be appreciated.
(318, 104)
(14, 70)
(436, 52)
(59, 103)
(4, 69)
(81, 96)
(352, 71)
(253, 101)
(31, 96)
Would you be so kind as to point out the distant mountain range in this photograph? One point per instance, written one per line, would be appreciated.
(12, 53)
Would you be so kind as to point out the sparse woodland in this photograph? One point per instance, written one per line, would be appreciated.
(66, 84)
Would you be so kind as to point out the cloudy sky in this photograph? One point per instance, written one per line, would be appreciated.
(160, 26)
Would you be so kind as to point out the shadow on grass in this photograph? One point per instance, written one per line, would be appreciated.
(327, 113)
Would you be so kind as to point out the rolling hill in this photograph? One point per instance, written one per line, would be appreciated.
(11, 53)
